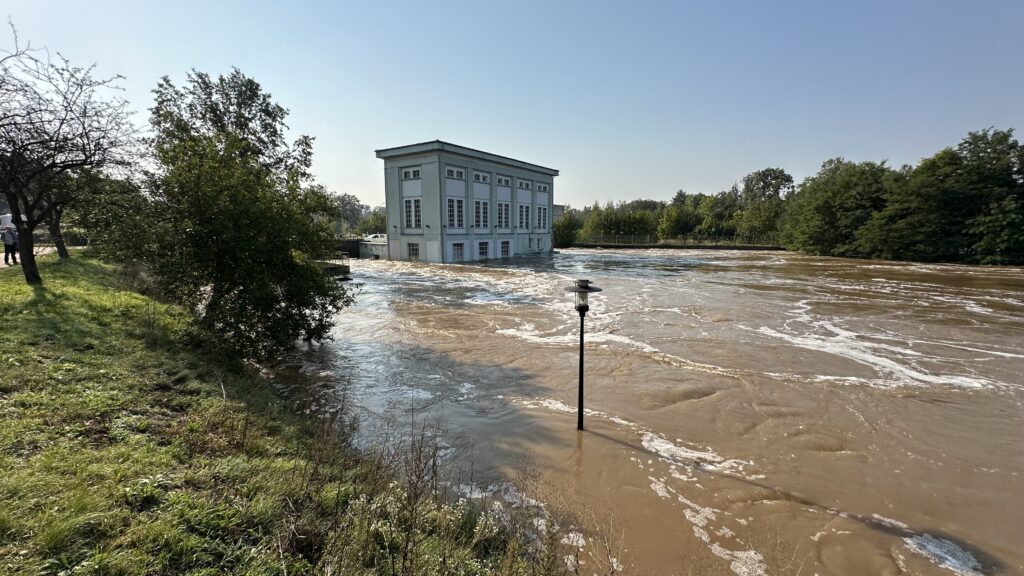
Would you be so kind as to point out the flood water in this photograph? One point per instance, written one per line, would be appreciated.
(748, 412)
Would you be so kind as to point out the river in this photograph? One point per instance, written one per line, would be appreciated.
(748, 412)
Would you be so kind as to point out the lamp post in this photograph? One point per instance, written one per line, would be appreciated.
(582, 289)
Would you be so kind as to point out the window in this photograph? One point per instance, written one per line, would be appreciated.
(481, 177)
(531, 243)
(410, 174)
(455, 206)
(524, 216)
(525, 184)
(505, 244)
(458, 252)
(414, 251)
(412, 213)
(457, 173)
(504, 210)
(542, 217)
(483, 250)
(543, 187)
(504, 180)
(481, 218)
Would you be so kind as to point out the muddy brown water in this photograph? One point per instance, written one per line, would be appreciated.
(749, 413)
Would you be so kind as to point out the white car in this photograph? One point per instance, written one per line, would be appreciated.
(376, 238)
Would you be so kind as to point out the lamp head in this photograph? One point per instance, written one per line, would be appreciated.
(582, 290)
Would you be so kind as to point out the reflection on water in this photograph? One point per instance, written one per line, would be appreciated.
(867, 414)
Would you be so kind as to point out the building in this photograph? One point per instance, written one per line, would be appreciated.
(447, 203)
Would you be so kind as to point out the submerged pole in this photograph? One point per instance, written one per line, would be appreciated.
(579, 416)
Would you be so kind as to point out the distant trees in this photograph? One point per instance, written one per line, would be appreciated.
(58, 123)
(564, 229)
(636, 218)
(374, 222)
(824, 215)
(760, 203)
(963, 204)
(351, 212)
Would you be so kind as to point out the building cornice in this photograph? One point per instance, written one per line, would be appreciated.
(441, 146)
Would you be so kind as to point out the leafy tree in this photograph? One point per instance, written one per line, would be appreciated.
(55, 119)
(351, 213)
(1000, 232)
(761, 203)
(620, 220)
(115, 225)
(993, 176)
(375, 222)
(565, 228)
(717, 213)
(826, 213)
(641, 206)
(922, 220)
(230, 225)
(681, 216)
(962, 204)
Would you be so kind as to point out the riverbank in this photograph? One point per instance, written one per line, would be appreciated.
(128, 449)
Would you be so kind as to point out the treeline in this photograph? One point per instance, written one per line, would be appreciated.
(964, 204)
(747, 212)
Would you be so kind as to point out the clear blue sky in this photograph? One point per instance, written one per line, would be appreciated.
(627, 99)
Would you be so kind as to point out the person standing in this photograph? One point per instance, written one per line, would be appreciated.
(10, 237)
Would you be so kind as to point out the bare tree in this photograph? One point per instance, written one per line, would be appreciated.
(55, 119)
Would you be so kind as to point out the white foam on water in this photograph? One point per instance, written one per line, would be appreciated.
(659, 488)
(889, 522)
(970, 349)
(846, 345)
(559, 406)
(574, 539)
(654, 442)
(741, 562)
(708, 459)
(945, 554)
(504, 490)
(667, 449)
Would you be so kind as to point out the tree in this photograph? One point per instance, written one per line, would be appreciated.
(1000, 232)
(761, 203)
(993, 175)
(564, 229)
(922, 218)
(827, 212)
(375, 222)
(350, 213)
(55, 119)
(230, 224)
(717, 213)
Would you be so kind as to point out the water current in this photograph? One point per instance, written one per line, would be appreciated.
(750, 412)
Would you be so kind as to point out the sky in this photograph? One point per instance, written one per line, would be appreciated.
(627, 99)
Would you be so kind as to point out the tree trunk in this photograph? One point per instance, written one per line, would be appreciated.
(26, 252)
(53, 225)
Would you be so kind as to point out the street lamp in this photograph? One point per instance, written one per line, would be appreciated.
(582, 289)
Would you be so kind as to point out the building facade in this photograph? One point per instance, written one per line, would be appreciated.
(448, 203)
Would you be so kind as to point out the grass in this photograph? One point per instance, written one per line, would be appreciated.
(126, 449)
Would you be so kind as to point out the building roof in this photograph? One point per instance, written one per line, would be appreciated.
(439, 146)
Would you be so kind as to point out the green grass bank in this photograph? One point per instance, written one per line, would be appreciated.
(126, 449)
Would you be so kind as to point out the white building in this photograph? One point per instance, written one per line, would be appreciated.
(447, 203)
